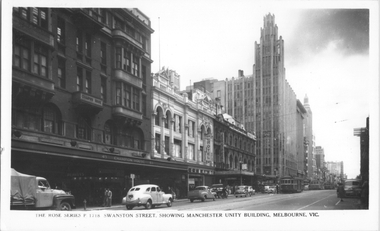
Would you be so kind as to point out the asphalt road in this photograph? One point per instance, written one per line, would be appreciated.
(306, 200)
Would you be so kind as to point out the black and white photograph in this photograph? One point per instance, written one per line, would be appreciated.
(189, 115)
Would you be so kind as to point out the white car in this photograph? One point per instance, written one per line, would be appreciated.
(148, 195)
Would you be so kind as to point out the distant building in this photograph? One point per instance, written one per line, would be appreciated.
(309, 139)
(320, 162)
(172, 78)
(363, 133)
(336, 169)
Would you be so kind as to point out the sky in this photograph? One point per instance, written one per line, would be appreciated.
(327, 57)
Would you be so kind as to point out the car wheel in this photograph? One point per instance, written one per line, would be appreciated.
(129, 207)
(169, 204)
(213, 199)
(191, 200)
(203, 199)
(64, 206)
(148, 204)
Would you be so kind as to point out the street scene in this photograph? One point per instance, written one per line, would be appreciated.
(189, 109)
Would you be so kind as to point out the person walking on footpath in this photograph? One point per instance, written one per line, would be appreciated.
(109, 194)
(340, 191)
(105, 197)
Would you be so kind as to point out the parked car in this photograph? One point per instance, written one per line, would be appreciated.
(352, 188)
(201, 193)
(148, 195)
(251, 191)
(241, 191)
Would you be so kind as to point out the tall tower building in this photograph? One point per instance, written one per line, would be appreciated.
(276, 107)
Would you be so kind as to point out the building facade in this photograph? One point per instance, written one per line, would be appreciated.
(363, 133)
(309, 140)
(275, 107)
(183, 131)
(81, 100)
(234, 152)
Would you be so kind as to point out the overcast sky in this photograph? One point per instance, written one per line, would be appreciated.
(326, 57)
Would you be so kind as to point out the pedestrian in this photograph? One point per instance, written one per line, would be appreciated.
(105, 201)
(109, 196)
(364, 195)
(340, 191)
(277, 188)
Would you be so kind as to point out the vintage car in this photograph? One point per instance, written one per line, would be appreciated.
(270, 189)
(148, 195)
(241, 191)
(201, 193)
(352, 188)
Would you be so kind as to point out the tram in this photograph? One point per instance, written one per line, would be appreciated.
(316, 185)
(290, 184)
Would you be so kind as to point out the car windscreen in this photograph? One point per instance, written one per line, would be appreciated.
(200, 188)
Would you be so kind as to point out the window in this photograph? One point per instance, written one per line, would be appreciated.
(61, 73)
(103, 57)
(39, 17)
(103, 89)
(21, 53)
(167, 120)
(79, 79)
(40, 60)
(127, 60)
(22, 12)
(127, 137)
(26, 119)
(136, 99)
(87, 45)
(127, 96)
(79, 42)
(118, 93)
(88, 82)
(118, 57)
(51, 120)
(167, 145)
(136, 64)
(177, 148)
(108, 133)
(191, 128)
(178, 123)
(202, 157)
(61, 31)
(190, 152)
(157, 118)
(84, 128)
(157, 143)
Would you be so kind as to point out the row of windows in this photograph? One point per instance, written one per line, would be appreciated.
(37, 16)
(128, 96)
(49, 120)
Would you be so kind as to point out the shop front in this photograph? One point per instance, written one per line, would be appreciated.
(86, 174)
(234, 178)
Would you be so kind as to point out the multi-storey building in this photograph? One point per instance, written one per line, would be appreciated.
(234, 152)
(183, 130)
(81, 100)
(275, 107)
(240, 99)
(172, 77)
(309, 140)
(300, 131)
(336, 170)
(363, 133)
(320, 162)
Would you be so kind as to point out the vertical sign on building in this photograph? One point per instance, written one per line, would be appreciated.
(208, 147)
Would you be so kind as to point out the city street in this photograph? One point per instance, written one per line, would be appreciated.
(307, 200)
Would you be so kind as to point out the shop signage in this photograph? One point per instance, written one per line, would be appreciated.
(208, 147)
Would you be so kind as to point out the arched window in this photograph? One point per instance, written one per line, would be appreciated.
(157, 117)
(51, 120)
(167, 119)
(84, 128)
(132, 137)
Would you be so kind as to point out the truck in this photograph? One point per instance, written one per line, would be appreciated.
(34, 192)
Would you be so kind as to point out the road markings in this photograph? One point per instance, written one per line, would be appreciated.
(315, 202)
(337, 202)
